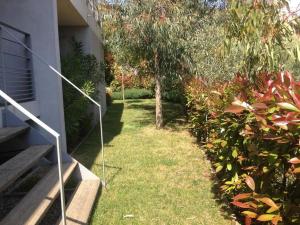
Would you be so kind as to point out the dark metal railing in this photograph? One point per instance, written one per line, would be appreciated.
(16, 76)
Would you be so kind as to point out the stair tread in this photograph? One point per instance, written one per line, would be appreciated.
(18, 165)
(35, 204)
(81, 203)
(8, 133)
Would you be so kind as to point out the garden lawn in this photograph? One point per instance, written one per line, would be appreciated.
(154, 176)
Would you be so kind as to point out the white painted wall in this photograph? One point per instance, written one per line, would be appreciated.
(87, 15)
(39, 19)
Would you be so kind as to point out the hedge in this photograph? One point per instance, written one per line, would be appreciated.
(133, 93)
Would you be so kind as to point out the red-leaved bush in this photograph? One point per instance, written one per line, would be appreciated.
(253, 142)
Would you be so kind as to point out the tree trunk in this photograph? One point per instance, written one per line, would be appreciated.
(159, 116)
(158, 102)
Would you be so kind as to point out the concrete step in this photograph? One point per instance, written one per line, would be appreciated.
(11, 170)
(81, 203)
(36, 203)
(9, 133)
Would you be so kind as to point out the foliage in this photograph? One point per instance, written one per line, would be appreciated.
(206, 49)
(251, 143)
(174, 94)
(261, 32)
(291, 64)
(85, 72)
(109, 99)
(109, 62)
(154, 26)
(257, 207)
(206, 99)
(133, 93)
(181, 35)
(274, 135)
(257, 136)
(131, 79)
(154, 37)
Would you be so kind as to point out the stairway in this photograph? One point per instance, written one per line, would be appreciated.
(32, 208)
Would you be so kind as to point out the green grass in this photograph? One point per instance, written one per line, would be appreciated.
(155, 176)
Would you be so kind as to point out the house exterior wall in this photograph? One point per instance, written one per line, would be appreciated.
(39, 19)
(43, 20)
(87, 15)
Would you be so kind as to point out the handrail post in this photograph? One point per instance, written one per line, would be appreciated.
(102, 145)
(61, 181)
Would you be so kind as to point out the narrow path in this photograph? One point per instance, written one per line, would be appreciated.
(155, 176)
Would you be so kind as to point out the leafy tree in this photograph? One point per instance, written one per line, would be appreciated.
(207, 52)
(155, 32)
(261, 32)
(170, 40)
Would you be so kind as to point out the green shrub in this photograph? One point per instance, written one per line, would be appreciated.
(175, 96)
(258, 31)
(133, 93)
(85, 72)
(173, 91)
(252, 143)
(269, 129)
(109, 99)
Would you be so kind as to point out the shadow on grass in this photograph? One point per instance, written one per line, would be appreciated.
(112, 127)
(135, 100)
(224, 203)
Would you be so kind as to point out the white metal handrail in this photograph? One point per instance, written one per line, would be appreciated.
(55, 134)
(74, 86)
(44, 61)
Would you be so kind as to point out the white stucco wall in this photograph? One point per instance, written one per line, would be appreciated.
(39, 19)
